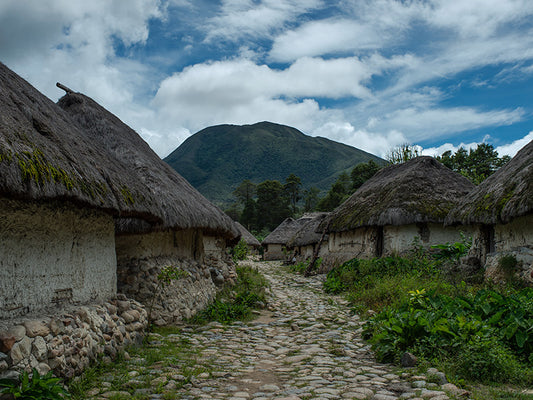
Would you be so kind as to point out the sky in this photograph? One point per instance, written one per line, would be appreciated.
(374, 74)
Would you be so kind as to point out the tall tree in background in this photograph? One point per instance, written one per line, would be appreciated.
(402, 153)
(292, 191)
(272, 205)
(363, 172)
(245, 191)
(339, 192)
(476, 164)
(311, 198)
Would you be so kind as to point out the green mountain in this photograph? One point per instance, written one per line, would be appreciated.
(217, 159)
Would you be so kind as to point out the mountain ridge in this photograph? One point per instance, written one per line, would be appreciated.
(218, 158)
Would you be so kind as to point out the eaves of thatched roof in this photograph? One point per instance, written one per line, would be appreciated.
(283, 233)
(309, 233)
(418, 191)
(247, 236)
(506, 194)
(172, 198)
(45, 156)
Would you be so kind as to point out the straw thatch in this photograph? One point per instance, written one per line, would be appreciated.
(505, 195)
(172, 198)
(285, 231)
(44, 155)
(247, 236)
(421, 190)
(309, 233)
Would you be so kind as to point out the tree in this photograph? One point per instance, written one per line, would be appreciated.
(272, 205)
(338, 192)
(245, 191)
(475, 164)
(311, 198)
(363, 172)
(402, 153)
(249, 215)
(292, 191)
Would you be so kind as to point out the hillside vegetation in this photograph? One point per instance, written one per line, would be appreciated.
(217, 159)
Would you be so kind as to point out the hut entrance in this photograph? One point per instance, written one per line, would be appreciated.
(487, 234)
(379, 241)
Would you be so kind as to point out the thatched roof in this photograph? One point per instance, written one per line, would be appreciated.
(44, 155)
(506, 194)
(285, 231)
(247, 236)
(172, 198)
(309, 233)
(420, 190)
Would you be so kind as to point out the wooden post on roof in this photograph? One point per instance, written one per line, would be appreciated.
(66, 89)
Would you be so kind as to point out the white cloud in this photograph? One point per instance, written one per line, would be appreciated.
(512, 148)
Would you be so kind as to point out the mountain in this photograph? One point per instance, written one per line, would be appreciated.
(217, 159)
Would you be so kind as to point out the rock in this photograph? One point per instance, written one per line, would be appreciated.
(21, 350)
(408, 360)
(42, 368)
(6, 342)
(40, 349)
(36, 328)
(3, 365)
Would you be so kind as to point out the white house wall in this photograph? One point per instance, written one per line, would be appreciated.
(517, 233)
(53, 254)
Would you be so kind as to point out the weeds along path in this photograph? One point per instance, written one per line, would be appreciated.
(306, 345)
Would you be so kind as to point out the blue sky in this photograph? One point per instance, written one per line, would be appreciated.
(370, 73)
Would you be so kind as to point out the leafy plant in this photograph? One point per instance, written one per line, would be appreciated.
(36, 387)
(240, 251)
(453, 251)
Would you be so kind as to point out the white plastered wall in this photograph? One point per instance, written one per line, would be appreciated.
(54, 254)
(517, 233)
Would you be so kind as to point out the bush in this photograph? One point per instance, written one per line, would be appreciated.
(240, 251)
(35, 387)
(236, 303)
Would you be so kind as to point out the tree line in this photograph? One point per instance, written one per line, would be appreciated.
(262, 207)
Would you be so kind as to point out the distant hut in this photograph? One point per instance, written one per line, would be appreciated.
(276, 243)
(398, 204)
(253, 244)
(58, 195)
(190, 233)
(500, 210)
(309, 238)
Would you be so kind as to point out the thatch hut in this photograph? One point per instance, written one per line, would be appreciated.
(276, 243)
(58, 195)
(398, 204)
(500, 212)
(251, 242)
(309, 239)
(191, 232)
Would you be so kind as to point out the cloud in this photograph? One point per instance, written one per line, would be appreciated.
(238, 19)
(512, 148)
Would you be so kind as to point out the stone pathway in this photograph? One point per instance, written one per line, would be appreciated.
(307, 345)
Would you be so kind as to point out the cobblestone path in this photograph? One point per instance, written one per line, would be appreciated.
(305, 346)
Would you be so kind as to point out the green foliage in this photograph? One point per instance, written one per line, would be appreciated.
(453, 251)
(402, 153)
(363, 172)
(492, 333)
(311, 198)
(476, 164)
(338, 192)
(36, 387)
(240, 251)
(292, 191)
(236, 303)
(272, 205)
(304, 266)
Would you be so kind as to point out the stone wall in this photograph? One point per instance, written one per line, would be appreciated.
(52, 254)
(67, 341)
(191, 292)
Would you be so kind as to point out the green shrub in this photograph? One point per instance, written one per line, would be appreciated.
(240, 251)
(236, 303)
(36, 387)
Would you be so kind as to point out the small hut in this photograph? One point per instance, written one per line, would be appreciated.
(276, 243)
(400, 204)
(58, 195)
(309, 239)
(190, 233)
(253, 244)
(500, 213)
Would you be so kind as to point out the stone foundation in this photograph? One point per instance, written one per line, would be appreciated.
(523, 270)
(182, 298)
(69, 340)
